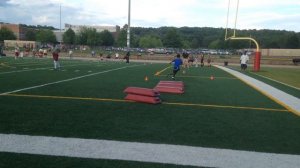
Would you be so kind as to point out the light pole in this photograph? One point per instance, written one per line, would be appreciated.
(60, 24)
(128, 28)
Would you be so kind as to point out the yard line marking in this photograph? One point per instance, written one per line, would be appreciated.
(159, 72)
(68, 97)
(5, 65)
(288, 101)
(276, 81)
(23, 70)
(143, 152)
(26, 70)
(66, 80)
(223, 106)
(165, 103)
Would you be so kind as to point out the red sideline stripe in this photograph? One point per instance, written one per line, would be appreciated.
(143, 99)
(141, 91)
(176, 90)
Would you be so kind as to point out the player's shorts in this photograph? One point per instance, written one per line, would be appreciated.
(243, 66)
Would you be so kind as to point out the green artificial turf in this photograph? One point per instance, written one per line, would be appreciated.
(221, 125)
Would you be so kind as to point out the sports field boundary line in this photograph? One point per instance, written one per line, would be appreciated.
(66, 80)
(143, 152)
(286, 100)
(129, 101)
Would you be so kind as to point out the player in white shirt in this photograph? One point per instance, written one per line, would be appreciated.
(244, 60)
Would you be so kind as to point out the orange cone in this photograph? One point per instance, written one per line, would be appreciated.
(146, 78)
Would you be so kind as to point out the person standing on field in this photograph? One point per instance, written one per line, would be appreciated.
(55, 59)
(70, 54)
(127, 57)
(177, 62)
(244, 60)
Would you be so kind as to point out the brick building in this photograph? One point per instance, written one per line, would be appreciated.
(17, 29)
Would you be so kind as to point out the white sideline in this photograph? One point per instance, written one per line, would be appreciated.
(292, 103)
(144, 152)
(66, 80)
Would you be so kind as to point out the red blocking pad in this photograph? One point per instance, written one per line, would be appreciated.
(141, 91)
(173, 83)
(143, 99)
(176, 87)
(169, 89)
(169, 85)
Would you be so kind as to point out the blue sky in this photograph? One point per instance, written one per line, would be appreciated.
(254, 14)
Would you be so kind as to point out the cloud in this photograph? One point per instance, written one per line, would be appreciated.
(259, 14)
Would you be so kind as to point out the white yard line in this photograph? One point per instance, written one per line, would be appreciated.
(66, 80)
(290, 102)
(144, 152)
(35, 69)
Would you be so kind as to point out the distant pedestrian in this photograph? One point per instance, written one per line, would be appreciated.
(17, 52)
(45, 52)
(70, 54)
(127, 57)
(185, 56)
(196, 61)
(100, 56)
(244, 60)
(41, 53)
(55, 59)
(93, 53)
(117, 56)
(209, 61)
(202, 59)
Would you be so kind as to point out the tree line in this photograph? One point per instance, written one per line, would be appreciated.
(163, 37)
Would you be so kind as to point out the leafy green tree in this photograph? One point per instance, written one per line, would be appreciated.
(45, 36)
(6, 34)
(88, 36)
(292, 41)
(82, 36)
(195, 43)
(122, 39)
(107, 38)
(92, 38)
(216, 44)
(69, 37)
(150, 41)
(172, 39)
(186, 44)
(30, 35)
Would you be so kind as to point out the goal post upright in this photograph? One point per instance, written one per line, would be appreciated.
(257, 57)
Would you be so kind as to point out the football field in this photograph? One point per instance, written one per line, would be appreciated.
(84, 100)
